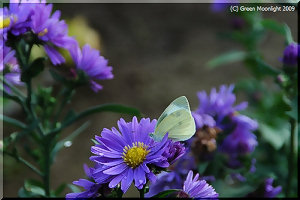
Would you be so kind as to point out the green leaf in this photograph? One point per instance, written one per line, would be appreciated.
(34, 69)
(273, 25)
(288, 34)
(276, 136)
(24, 193)
(165, 193)
(265, 69)
(34, 187)
(279, 28)
(226, 58)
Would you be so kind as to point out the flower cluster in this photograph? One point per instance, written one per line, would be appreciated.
(217, 113)
(130, 155)
(35, 18)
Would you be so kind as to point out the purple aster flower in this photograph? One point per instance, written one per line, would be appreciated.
(91, 188)
(8, 63)
(194, 188)
(271, 191)
(241, 140)
(291, 54)
(165, 181)
(127, 155)
(16, 18)
(174, 151)
(52, 31)
(203, 120)
(219, 104)
(92, 63)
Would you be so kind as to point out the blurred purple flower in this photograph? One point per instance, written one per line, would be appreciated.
(52, 31)
(91, 188)
(203, 120)
(174, 151)
(270, 191)
(126, 155)
(194, 188)
(291, 54)
(9, 64)
(219, 104)
(241, 140)
(92, 63)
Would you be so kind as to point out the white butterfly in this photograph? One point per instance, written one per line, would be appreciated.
(176, 120)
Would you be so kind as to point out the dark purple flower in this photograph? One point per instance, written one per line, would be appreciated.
(241, 140)
(91, 188)
(52, 31)
(8, 63)
(126, 155)
(92, 63)
(194, 188)
(219, 104)
(291, 54)
(271, 191)
(174, 151)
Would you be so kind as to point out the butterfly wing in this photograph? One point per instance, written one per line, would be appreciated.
(177, 120)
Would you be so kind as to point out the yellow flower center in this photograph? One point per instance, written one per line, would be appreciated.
(4, 22)
(42, 33)
(135, 155)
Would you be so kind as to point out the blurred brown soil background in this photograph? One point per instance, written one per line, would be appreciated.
(158, 52)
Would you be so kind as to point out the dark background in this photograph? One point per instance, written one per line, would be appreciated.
(158, 52)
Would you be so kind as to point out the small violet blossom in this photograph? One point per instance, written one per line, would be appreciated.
(92, 64)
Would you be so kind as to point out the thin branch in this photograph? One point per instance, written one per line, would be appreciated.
(18, 158)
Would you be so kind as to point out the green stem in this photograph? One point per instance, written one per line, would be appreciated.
(47, 164)
(13, 122)
(18, 158)
(66, 94)
(29, 105)
(142, 192)
(291, 158)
